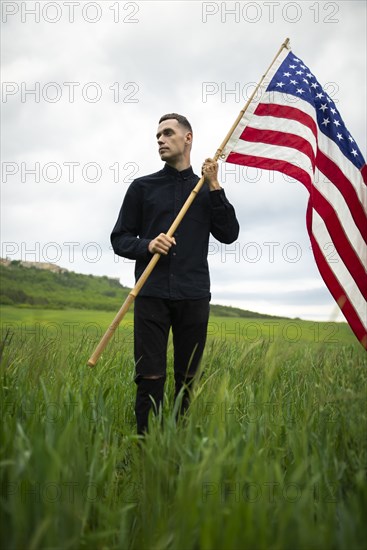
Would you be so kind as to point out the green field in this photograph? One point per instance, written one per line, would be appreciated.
(272, 454)
(70, 325)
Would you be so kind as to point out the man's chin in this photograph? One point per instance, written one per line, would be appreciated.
(165, 156)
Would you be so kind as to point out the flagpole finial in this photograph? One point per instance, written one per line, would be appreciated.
(286, 44)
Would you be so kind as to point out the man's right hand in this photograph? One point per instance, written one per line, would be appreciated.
(161, 244)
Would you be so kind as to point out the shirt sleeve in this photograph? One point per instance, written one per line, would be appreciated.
(224, 225)
(125, 235)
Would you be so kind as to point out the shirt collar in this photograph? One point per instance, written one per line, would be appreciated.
(188, 172)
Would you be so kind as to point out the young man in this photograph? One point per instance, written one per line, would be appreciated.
(177, 293)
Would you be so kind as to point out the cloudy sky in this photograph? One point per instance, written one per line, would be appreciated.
(84, 84)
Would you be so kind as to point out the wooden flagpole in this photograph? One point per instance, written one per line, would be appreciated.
(153, 262)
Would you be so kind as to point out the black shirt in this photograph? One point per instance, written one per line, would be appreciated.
(150, 206)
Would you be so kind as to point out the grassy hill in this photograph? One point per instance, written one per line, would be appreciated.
(25, 285)
(41, 288)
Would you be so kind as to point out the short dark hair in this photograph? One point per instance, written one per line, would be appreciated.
(180, 119)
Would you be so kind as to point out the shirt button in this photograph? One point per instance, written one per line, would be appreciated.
(173, 253)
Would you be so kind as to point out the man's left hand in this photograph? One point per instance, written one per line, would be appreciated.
(210, 172)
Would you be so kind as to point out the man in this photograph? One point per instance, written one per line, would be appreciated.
(177, 293)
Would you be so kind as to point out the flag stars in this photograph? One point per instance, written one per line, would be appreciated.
(325, 122)
(309, 75)
(339, 136)
(333, 110)
(314, 85)
(323, 107)
(294, 82)
(305, 80)
(296, 59)
(286, 74)
(292, 66)
(351, 139)
(319, 95)
(336, 122)
(299, 72)
(300, 91)
(280, 84)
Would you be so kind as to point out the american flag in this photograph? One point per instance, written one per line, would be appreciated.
(293, 126)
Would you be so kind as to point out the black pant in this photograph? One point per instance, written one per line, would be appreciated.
(153, 318)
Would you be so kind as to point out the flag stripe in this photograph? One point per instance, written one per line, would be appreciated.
(289, 113)
(332, 172)
(277, 98)
(364, 173)
(353, 175)
(341, 243)
(290, 126)
(355, 230)
(283, 139)
(337, 278)
(283, 166)
(338, 294)
(267, 150)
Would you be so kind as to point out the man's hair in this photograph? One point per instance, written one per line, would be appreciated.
(180, 119)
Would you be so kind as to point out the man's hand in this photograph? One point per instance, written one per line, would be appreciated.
(161, 244)
(210, 172)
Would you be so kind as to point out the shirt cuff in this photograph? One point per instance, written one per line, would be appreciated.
(143, 252)
(218, 197)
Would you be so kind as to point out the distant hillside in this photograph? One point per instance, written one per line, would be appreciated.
(48, 286)
(228, 311)
(25, 285)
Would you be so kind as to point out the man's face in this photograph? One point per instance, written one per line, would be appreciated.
(173, 140)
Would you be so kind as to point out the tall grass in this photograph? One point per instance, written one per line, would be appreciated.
(272, 453)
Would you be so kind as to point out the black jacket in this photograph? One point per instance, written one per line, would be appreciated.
(150, 205)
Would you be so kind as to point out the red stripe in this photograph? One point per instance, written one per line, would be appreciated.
(283, 139)
(347, 253)
(336, 176)
(334, 286)
(272, 164)
(364, 173)
(282, 111)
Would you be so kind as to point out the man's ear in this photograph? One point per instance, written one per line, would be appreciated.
(188, 137)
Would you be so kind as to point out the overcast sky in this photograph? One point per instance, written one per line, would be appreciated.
(84, 84)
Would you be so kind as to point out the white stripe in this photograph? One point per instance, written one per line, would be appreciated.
(278, 152)
(340, 271)
(289, 100)
(342, 211)
(286, 126)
